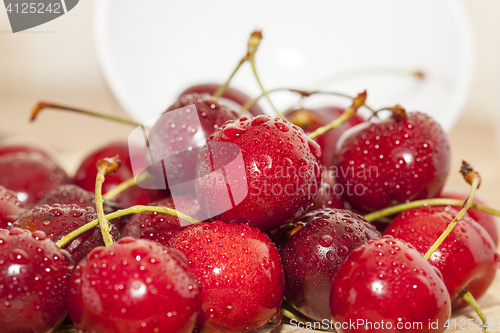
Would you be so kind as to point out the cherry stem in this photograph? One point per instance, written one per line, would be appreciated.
(357, 102)
(472, 178)
(469, 298)
(122, 212)
(253, 45)
(43, 105)
(113, 193)
(104, 168)
(290, 315)
(264, 92)
(426, 202)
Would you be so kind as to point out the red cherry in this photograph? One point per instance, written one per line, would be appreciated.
(274, 180)
(387, 282)
(133, 286)
(467, 257)
(405, 157)
(31, 176)
(34, 275)
(312, 119)
(313, 255)
(10, 207)
(178, 141)
(87, 172)
(162, 227)
(486, 220)
(232, 94)
(59, 220)
(240, 273)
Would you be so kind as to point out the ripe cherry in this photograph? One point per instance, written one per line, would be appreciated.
(162, 227)
(232, 94)
(387, 282)
(34, 275)
(466, 258)
(31, 176)
(10, 207)
(133, 286)
(57, 221)
(273, 180)
(329, 193)
(178, 141)
(313, 254)
(137, 195)
(86, 174)
(240, 273)
(405, 157)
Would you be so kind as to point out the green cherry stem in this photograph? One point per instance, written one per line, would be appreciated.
(44, 105)
(357, 102)
(122, 212)
(469, 298)
(426, 202)
(474, 180)
(104, 168)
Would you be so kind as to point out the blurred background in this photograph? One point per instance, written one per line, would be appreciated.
(57, 62)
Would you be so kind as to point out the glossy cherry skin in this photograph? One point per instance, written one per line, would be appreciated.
(180, 142)
(329, 193)
(59, 220)
(313, 255)
(231, 94)
(240, 273)
(10, 207)
(311, 119)
(13, 148)
(467, 257)
(86, 174)
(133, 285)
(389, 162)
(34, 276)
(281, 172)
(162, 227)
(387, 280)
(486, 220)
(31, 176)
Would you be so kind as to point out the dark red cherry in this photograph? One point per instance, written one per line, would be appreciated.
(10, 207)
(231, 94)
(387, 282)
(31, 176)
(59, 220)
(162, 227)
(34, 275)
(178, 142)
(467, 257)
(312, 255)
(260, 171)
(486, 220)
(405, 157)
(87, 171)
(240, 274)
(311, 119)
(133, 286)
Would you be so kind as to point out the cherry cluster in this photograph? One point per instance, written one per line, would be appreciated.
(295, 244)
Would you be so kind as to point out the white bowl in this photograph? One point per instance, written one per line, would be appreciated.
(151, 51)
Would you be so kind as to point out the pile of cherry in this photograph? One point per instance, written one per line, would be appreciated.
(292, 237)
